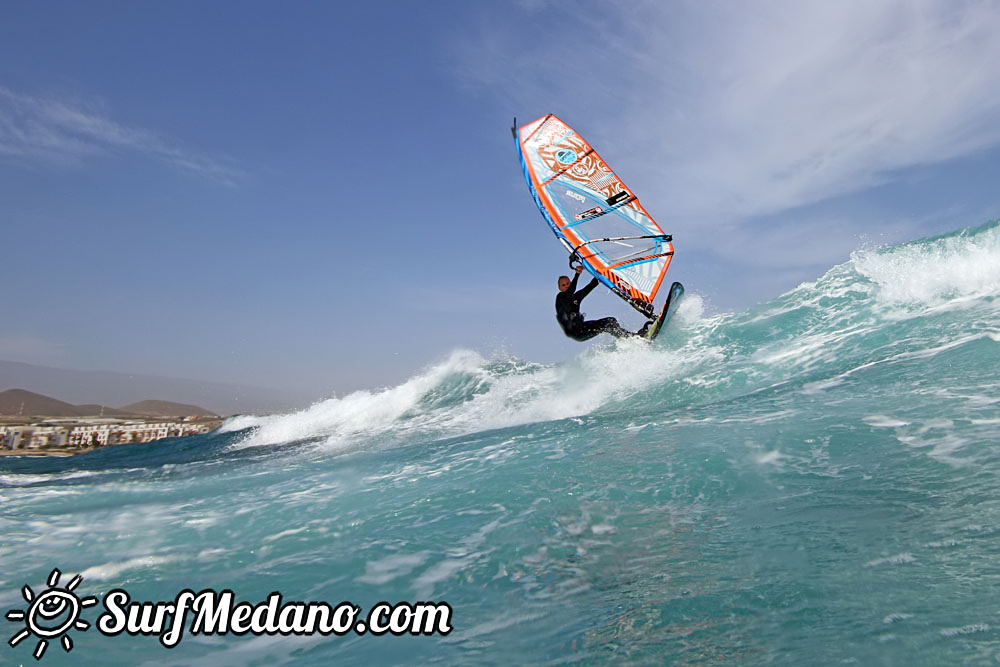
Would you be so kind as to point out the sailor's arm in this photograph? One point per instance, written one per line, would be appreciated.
(586, 290)
(576, 276)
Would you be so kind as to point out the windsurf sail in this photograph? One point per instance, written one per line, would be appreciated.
(595, 216)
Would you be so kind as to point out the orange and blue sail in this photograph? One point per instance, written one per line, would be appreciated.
(593, 213)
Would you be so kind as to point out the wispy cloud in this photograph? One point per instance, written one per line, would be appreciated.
(56, 131)
(734, 110)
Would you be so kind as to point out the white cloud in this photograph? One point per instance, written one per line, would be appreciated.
(829, 98)
(732, 110)
(56, 131)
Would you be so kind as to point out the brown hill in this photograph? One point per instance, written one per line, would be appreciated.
(166, 409)
(27, 403)
(19, 402)
(92, 410)
(110, 388)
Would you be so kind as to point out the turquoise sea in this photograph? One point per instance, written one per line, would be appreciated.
(815, 480)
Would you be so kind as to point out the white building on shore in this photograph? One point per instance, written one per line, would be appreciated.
(81, 435)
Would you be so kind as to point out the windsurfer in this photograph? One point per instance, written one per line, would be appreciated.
(572, 322)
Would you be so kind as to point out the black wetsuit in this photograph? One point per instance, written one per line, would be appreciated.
(572, 322)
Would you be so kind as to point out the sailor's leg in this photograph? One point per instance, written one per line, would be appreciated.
(584, 333)
(609, 325)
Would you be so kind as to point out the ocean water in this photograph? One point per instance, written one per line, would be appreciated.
(815, 480)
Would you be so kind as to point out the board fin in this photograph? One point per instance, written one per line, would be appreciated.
(669, 307)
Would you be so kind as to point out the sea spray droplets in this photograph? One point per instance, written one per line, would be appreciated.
(898, 559)
(966, 630)
(930, 271)
(896, 618)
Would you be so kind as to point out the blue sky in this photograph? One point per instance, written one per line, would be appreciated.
(326, 196)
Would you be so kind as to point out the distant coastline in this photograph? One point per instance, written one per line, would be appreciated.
(36, 425)
(61, 437)
(116, 388)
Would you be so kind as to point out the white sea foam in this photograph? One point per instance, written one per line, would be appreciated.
(386, 569)
(811, 388)
(943, 445)
(467, 393)
(882, 421)
(944, 544)
(773, 456)
(898, 559)
(966, 630)
(896, 618)
(932, 272)
(285, 533)
(463, 554)
(26, 479)
(112, 570)
(501, 622)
